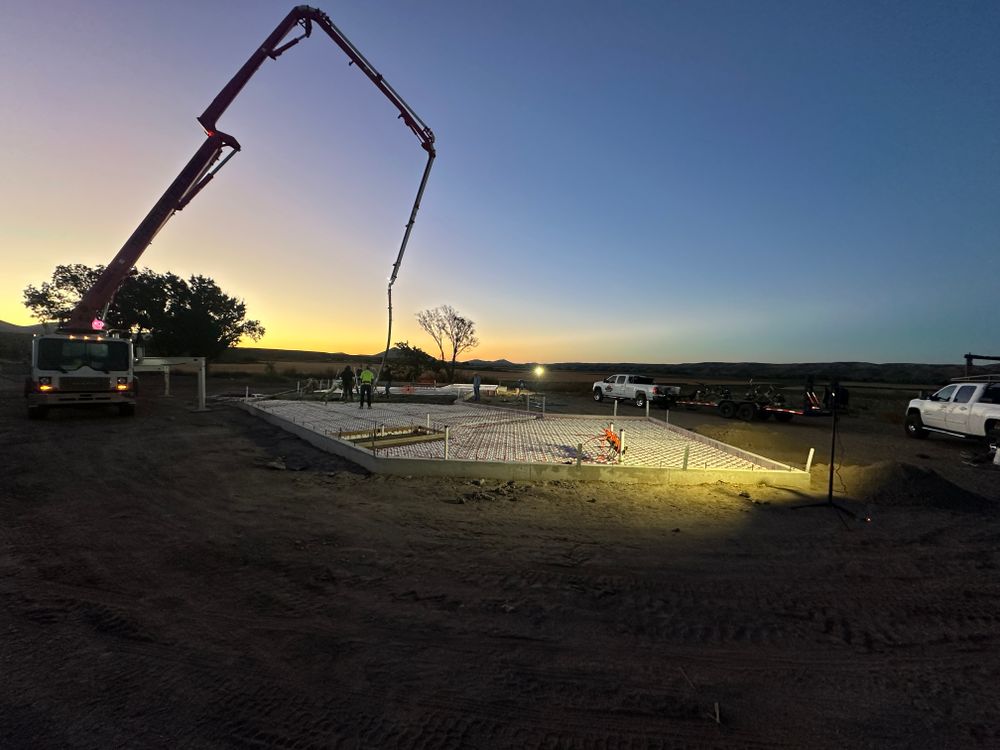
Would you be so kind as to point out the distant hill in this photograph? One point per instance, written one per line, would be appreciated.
(6, 327)
(246, 354)
(489, 363)
(863, 372)
(906, 373)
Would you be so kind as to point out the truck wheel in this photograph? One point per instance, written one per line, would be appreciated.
(598, 394)
(640, 400)
(37, 412)
(727, 409)
(915, 426)
(126, 410)
(746, 412)
(993, 435)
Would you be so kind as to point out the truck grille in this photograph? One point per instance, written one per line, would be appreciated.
(84, 384)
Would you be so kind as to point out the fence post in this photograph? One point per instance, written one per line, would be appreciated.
(616, 407)
(687, 453)
(447, 431)
(543, 407)
(647, 408)
(809, 461)
(579, 453)
(621, 445)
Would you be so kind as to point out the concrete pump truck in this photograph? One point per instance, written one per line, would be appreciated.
(84, 364)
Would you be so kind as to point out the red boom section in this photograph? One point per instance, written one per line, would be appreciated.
(192, 179)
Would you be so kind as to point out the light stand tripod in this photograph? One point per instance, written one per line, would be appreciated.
(833, 457)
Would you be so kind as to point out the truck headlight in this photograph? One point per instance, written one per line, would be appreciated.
(45, 384)
(122, 384)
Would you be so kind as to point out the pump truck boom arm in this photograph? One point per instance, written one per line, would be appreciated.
(202, 167)
(305, 16)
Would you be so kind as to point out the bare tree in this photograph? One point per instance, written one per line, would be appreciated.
(451, 330)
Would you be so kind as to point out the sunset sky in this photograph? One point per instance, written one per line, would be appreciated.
(644, 181)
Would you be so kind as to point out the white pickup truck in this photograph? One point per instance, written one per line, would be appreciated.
(968, 407)
(636, 388)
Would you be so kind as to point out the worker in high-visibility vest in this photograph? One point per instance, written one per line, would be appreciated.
(367, 379)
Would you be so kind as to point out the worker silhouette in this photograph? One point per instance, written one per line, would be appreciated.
(347, 383)
(367, 378)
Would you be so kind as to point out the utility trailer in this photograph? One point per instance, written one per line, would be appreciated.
(760, 402)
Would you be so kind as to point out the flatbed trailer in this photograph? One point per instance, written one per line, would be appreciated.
(762, 408)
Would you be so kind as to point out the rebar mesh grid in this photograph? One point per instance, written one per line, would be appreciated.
(480, 433)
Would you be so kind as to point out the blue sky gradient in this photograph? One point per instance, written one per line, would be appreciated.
(642, 181)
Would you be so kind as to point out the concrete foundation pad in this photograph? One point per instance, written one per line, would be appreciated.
(504, 444)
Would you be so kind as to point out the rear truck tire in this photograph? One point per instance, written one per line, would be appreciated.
(727, 409)
(915, 426)
(126, 410)
(598, 394)
(993, 435)
(783, 417)
(640, 400)
(37, 412)
(746, 411)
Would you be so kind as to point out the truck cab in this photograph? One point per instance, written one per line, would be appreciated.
(80, 369)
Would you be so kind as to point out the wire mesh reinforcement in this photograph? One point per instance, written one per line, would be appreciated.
(479, 433)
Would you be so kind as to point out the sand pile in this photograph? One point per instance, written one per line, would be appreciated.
(891, 483)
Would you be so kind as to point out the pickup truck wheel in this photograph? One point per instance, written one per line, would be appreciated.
(598, 394)
(915, 426)
(727, 409)
(746, 412)
(640, 400)
(993, 435)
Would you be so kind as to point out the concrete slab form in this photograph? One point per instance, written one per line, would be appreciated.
(491, 442)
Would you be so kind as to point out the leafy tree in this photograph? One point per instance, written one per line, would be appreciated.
(448, 328)
(412, 361)
(191, 317)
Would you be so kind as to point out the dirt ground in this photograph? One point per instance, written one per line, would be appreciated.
(163, 586)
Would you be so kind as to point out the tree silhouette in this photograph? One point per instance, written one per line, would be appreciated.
(448, 328)
(192, 317)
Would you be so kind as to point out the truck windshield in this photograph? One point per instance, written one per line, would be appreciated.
(68, 355)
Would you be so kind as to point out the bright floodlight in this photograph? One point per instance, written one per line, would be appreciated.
(539, 370)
